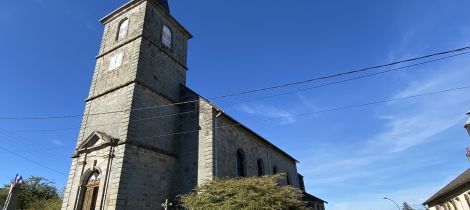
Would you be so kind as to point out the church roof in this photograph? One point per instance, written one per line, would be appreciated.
(241, 125)
(455, 184)
(256, 134)
(311, 197)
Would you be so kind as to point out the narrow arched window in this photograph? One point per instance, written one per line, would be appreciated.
(274, 170)
(122, 29)
(166, 36)
(288, 178)
(241, 168)
(260, 167)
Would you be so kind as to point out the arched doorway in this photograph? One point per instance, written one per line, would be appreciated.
(91, 191)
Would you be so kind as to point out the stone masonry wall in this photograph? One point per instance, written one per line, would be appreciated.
(82, 167)
(136, 16)
(153, 126)
(206, 141)
(229, 139)
(154, 21)
(159, 72)
(147, 179)
(188, 144)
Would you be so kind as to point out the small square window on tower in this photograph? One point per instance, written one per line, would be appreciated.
(116, 61)
(166, 36)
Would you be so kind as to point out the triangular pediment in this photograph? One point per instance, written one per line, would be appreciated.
(95, 139)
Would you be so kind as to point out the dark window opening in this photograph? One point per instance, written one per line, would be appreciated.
(260, 167)
(241, 164)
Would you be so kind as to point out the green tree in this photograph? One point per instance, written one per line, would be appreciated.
(406, 206)
(254, 193)
(37, 193)
(3, 195)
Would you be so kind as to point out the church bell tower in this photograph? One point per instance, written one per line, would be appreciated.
(124, 158)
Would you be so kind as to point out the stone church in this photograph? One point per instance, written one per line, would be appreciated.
(146, 137)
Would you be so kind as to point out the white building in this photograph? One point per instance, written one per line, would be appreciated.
(454, 196)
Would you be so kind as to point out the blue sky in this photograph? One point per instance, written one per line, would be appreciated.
(405, 150)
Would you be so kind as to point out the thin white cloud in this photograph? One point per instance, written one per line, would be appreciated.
(404, 125)
(414, 122)
(307, 102)
(268, 112)
(57, 142)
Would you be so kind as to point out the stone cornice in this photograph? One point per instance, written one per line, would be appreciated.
(147, 39)
(148, 147)
(135, 3)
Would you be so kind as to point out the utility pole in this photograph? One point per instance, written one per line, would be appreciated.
(166, 204)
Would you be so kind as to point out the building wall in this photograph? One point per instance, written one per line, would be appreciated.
(229, 139)
(456, 200)
(136, 16)
(154, 21)
(206, 156)
(142, 175)
(146, 180)
(113, 124)
(154, 126)
(162, 151)
(188, 144)
(109, 168)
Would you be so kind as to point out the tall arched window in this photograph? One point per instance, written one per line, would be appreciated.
(241, 166)
(288, 178)
(123, 28)
(260, 167)
(166, 36)
(91, 191)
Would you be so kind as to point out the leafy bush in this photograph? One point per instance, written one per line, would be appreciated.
(254, 193)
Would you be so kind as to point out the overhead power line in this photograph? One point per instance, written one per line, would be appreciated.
(32, 161)
(264, 120)
(262, 89)
(270, 119)
(22, 143)
(345, 80)
(321, 111)
(256, 99)
(341, 73)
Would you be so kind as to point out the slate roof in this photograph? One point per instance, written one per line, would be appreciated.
(310, 197)
(164, 4)
(461, 180)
